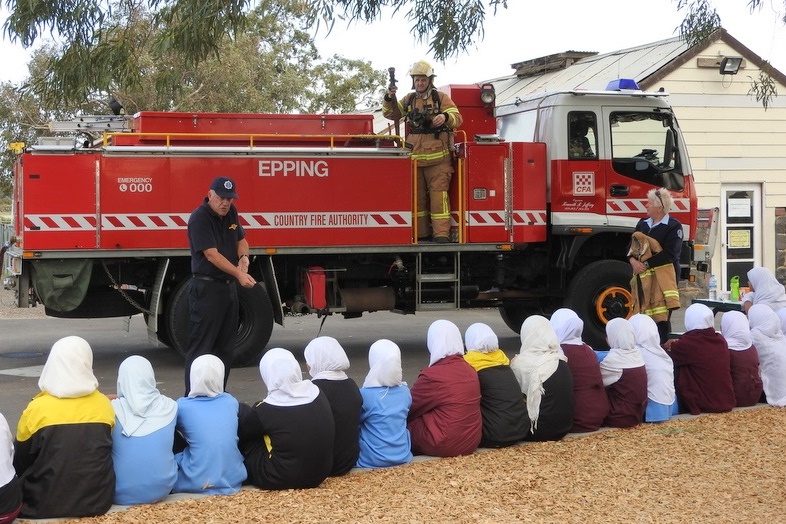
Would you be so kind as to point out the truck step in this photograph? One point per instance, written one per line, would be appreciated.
(438, 277)
(437, 306)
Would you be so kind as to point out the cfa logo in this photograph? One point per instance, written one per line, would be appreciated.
(297, 168)
(583, 184)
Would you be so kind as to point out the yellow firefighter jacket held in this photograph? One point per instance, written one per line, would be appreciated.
(655, 290)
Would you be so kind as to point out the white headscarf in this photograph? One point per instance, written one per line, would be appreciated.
(207, 376)
(384, 362)
(782, 315)
(766, 288)
(326, 359)
(443, 339)
(283, 378)
(7, 471)
(659, 366)
(736, 330)
(623, 353)
(140, 408)
(568, 326)
(481, 338)
(536, 361)
(770, 343)
(699, 316)
(68, 371)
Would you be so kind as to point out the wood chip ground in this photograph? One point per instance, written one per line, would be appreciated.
(714, 468)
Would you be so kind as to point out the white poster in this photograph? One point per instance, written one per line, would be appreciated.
(740, 207)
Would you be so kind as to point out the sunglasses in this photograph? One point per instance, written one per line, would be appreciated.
(657, 194)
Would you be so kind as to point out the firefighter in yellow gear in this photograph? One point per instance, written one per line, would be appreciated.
(430, 116)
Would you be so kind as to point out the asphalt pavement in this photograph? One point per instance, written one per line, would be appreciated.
(26, 343)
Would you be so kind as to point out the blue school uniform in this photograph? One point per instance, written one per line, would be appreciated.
(211, 463)
(145, 467)
(384, 437)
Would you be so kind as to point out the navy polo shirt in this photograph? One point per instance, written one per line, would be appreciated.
(207, 229)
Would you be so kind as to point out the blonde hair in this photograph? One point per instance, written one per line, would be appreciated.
(660, 198)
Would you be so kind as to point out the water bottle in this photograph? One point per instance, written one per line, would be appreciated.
(713, 288)
(734, 284)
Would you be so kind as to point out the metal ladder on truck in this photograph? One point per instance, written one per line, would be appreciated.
(430, 285)
(92, 123)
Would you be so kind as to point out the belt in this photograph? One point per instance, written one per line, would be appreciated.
(199, 276)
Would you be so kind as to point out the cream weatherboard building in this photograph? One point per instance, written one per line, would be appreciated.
(737, 148)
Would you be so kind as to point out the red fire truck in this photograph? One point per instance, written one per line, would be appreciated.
(546, 193)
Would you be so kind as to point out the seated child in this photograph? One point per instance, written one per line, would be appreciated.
(207, 419)
(702, 365)
(287, 438)
(743, 358)
(590, 402)
(63, 448)
(444, 419)
(327, 362)
(660, 369)
(502, 404)
(770, 344)
(544, 377)
(384, 437)
(10, 487)
(624, 375)
(143, 436)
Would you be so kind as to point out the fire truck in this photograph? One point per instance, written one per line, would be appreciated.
(101, 211)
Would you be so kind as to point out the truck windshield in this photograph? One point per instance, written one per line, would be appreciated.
(645, 146)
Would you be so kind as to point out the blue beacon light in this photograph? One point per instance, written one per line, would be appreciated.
(622, 83)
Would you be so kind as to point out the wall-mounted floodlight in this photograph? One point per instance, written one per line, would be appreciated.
(730, 65)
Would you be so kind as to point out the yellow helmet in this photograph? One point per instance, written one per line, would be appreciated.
(422, 68)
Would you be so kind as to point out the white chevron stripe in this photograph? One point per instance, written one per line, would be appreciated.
(636, 205)
(171, 221)
(61, 223)
(497, 218)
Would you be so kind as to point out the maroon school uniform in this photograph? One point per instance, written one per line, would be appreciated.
(745, 378)
(444, 419)
(703, 372)
(590, 402)
(627, 399)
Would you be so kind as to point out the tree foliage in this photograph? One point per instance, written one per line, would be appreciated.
(273, 66)
(449, 26)
(763, 87)
(100, 39)
(702, 20)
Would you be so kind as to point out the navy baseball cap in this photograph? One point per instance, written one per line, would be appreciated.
(224, 187)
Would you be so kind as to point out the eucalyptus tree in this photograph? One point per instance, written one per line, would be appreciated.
(702, 20)
(101, 39)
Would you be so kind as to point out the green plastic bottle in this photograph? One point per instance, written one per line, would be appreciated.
(734, 284)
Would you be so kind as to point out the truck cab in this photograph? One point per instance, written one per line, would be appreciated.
(605, 151)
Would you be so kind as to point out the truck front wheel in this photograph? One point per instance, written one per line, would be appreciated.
(254, 328)
(598, 293)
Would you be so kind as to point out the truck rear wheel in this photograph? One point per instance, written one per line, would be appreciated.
(515, 313)
(598, 293)
(254, 328)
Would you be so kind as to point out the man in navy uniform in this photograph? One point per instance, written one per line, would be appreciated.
(219, 258)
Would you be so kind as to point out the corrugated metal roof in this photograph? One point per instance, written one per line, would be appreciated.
(647, 64)
(593, 72)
